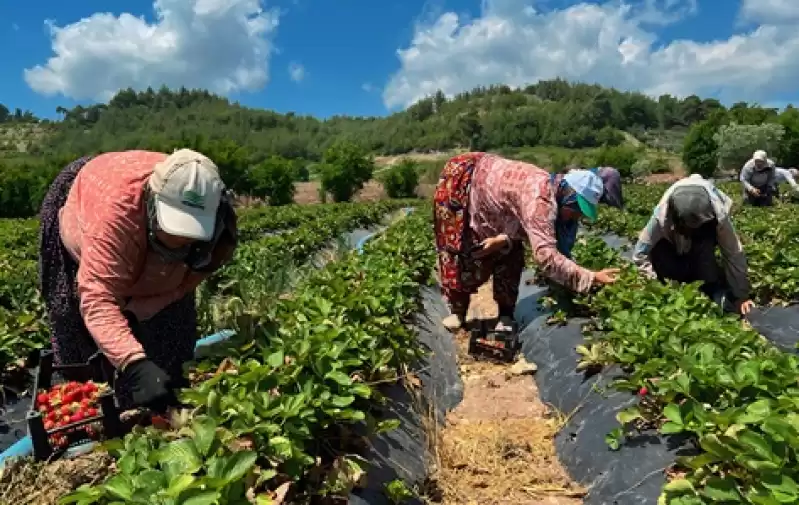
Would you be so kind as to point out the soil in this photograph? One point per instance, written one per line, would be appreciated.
(496, 447)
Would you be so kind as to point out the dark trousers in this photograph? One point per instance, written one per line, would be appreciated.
(698, 264)
(766, 198)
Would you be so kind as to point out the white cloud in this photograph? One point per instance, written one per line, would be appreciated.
(368, 87)
(770, 11)
(296, 72)
(513, 43)
(221, 45)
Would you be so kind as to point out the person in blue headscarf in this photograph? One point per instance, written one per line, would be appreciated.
(566, 231)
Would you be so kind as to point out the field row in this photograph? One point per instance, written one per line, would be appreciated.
(700, 373)
(22, 316)
(770, 236)
(304, 369)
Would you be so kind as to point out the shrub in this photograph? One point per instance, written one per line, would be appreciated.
(622, 158)
(401, 181)
(273, 179)
(737, 142)
(345, 169)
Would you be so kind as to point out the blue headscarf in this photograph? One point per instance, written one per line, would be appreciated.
(565, 231)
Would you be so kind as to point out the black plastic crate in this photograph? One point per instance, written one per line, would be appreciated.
(96, 369)
(499, 346)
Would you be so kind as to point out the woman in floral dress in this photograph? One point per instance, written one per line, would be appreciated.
(486, 207)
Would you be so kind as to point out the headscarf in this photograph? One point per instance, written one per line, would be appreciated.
(565, 231)
(611, 180)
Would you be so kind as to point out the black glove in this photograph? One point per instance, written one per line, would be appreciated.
(149, 385)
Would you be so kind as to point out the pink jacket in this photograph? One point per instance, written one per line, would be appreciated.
(518, 199)
(103, 226)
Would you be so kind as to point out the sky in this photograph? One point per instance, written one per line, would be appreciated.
(374, 57)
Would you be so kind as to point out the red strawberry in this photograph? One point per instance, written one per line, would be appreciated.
(76, 417)
(43, 399)
(49, 425)
(643, 391)
(91, 412)
(85, 403)
(65, 410)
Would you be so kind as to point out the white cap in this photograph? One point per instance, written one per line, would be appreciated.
(589, 189)
(187, 190)
(760, 155)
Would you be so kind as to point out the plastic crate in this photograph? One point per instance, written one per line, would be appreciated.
(95, 369)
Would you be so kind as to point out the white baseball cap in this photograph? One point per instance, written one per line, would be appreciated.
(760, 155)
(589, 189)
(187, 191)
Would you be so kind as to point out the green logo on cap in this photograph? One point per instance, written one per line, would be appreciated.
(193, 199)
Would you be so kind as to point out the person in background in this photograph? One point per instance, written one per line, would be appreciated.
(757, 179)
(126, 238)
(680, 241)
(785, 175)
(611, 195)
(485, 208)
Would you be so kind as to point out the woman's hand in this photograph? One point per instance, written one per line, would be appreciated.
(606, 276)
(745, 307)
(490, 246)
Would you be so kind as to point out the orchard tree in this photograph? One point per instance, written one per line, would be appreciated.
(273, 179)
(346, 167)
(700, 150)
(401, 181)
(737, 142)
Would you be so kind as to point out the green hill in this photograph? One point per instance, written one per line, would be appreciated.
(552, 113)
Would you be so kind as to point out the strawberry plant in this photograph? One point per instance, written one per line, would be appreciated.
(292, 386)
(699, 372)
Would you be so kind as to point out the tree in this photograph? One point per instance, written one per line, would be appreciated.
(401, 181)
(736, 142)
(700, 148)
(345, 169)
(273, 179)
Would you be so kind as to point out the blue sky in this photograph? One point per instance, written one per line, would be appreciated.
(348, 49)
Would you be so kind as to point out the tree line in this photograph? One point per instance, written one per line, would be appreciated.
(727, 138)
(261, 151)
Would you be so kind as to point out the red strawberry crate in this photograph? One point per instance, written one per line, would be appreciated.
(66, 414)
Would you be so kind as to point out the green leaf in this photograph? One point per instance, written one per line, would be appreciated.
(150, 481)
(203, 498)
(281, 447)
(628, 415)
(179, 484)
(722, 490)
(342, 401)
(275, 359)
(679, 486)
(783, 488)
(670, 428)
(672, 413)
(756, 412)
(387, 425)
(339, 377)
(237, 465)
(204, 434)
(181, 456)
(613, 439)
(119, 486)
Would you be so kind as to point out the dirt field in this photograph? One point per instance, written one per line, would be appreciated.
(496, 447)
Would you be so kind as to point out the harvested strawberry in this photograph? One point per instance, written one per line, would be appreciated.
(91, 412)
(76, 417)
(49, 425)
(43, 399)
